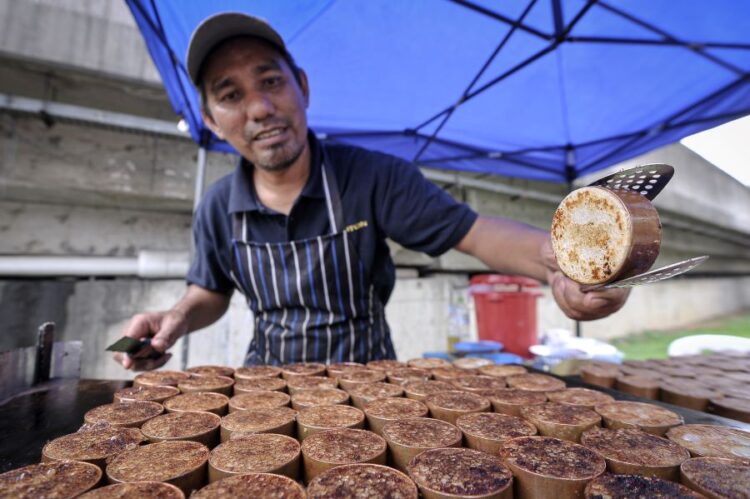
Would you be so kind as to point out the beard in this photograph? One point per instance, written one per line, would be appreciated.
(280, 157)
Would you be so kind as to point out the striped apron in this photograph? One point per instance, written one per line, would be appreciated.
(311, 299)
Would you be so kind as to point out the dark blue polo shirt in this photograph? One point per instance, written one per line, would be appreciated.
(383, 196)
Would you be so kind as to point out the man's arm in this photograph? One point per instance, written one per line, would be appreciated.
(198, 308)
(512, 247)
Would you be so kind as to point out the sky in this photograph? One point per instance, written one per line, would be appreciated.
(727, 146)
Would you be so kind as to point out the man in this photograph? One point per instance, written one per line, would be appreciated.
(299, 228)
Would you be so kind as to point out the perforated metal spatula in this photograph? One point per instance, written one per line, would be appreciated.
(647, 180)
(652, 275)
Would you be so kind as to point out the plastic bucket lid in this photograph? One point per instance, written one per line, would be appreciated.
(437, 355)
(484, 346)
(501, 358)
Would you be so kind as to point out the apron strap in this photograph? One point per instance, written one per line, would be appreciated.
(333, 196)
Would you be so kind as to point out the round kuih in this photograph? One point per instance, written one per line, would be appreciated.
(428, 363)
(451, 373)
(328, 417)
(248, 385)
(547, 467)
(258, 399)
(371, 481)
(198, 401)
(637, 486)
(599, 235)
(303, 369)
(639, 386)
(381, 411)
(93, 446)
(405, 374)
(385, 364)
(408, 437)
(459, 473)
(600, 375)
(146, 393)
(647, 417)
(360, 376)
(731, 407)
(478, 383)
(534, 382)
(319, 396)
(180, 463)
(253, 372)
(502, 370)
(156, 378)
(261, 453)
(200, 427)
(278, 420)
(488, 431)
(327, 449)
(252, 486)
(448, 406)
(344, 446)
(59, 479)
(633, 451)
(712, 441)
(211, 371)
(423, 433)
(136, 490)
(471, 363)
(125, 414)
(362, 394)
(510, 400)
(301, 383)
(561, 421)
(580, 396)
(686, 394)
(418, 390)
(206, 383)
(338, 368)
(717, 477)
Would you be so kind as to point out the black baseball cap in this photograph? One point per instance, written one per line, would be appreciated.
(219, 27)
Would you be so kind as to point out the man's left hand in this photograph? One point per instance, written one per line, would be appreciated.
(575, 303)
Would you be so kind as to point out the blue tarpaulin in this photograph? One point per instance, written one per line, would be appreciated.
(541, 89)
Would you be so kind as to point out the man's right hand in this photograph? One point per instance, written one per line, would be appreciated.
(164, 329)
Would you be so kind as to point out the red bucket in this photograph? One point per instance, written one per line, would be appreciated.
(506, 310)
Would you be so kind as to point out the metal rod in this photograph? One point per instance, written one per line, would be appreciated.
(200, 179)
(89, 115)
(474, 81)
(43, 362)
(507, 20)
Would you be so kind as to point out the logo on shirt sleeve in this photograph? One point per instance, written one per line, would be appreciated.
(356, 226)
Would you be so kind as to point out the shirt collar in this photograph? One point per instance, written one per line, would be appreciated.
(242, 195)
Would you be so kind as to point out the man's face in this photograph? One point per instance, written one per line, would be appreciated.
(255, 103)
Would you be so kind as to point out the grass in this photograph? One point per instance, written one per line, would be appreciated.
(653, 344)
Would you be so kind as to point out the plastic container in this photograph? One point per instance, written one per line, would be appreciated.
(477, 347)
(501, 358)
(506, 310)
(437, 355)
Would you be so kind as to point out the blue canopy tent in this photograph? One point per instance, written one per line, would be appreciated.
(541, 89)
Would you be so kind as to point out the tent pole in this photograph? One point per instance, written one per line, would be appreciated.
(200, 178)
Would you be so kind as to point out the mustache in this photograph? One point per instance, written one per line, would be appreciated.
(252, 130)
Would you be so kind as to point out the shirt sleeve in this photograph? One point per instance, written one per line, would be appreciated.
(212, 242)
(416, 213)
